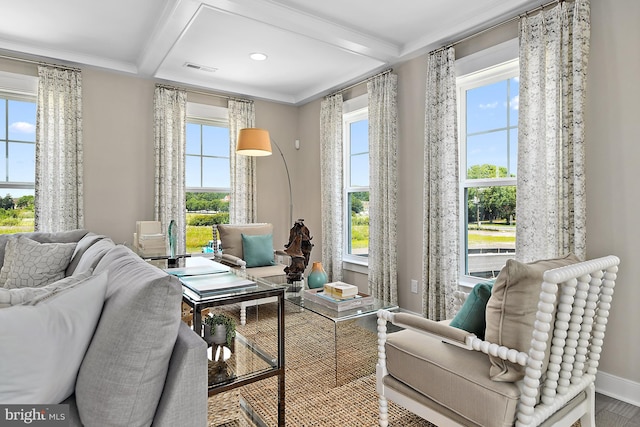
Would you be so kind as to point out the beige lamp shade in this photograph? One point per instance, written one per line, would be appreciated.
(254, 142)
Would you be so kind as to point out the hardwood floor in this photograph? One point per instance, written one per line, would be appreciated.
(614, 413)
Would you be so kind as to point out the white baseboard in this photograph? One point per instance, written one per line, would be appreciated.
(618, 388)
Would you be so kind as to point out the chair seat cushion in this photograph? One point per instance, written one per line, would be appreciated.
(452, 377)
(271, 273)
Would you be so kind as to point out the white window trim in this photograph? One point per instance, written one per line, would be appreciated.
(18, 87)
(353, 110)
(476, 78)
(210, 115)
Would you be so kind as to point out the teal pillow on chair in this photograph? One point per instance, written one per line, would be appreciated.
(258, 249)
(471, 316)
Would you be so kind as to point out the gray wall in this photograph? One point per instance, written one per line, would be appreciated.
(119, 166)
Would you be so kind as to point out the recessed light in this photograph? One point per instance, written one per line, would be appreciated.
(257, 56)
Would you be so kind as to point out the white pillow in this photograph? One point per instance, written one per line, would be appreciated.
(42, 345)
(35, 264)
(9, 297)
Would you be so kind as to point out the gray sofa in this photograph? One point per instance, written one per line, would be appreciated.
(143, 366)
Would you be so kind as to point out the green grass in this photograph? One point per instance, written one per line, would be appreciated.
(26, 226)
(484, 239)
(197, 237)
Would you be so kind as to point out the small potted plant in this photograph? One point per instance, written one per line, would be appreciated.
(219, 329)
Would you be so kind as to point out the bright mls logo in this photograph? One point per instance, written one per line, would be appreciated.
(34, 415)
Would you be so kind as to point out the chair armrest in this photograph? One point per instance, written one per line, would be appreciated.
(438, 330)
(184, 397)
(233, 261)
(448, 334)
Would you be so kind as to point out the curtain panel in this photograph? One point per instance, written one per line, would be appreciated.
(551, 208)
(59, 201)
(331, 184)
(170, 118)
(441, 246)
(383, 177)
(243, 204)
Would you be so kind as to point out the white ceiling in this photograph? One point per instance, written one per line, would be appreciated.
(313, 47)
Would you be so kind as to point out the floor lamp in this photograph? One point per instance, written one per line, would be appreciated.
(257, 142)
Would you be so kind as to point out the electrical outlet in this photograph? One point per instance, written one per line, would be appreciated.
(414, 286)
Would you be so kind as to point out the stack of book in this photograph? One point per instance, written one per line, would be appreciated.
(149, 239)
(338, 296)
(340, 290)
(199, 286)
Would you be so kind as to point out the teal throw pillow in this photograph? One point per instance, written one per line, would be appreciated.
(471, 316)
(258, 249)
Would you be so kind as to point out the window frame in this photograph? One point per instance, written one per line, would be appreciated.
(485, 76)
(352, 115)
(5, 96)
(215, 122)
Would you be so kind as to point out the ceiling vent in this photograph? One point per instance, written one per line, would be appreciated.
(199, 67)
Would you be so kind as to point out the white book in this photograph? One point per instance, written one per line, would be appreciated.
(209, 283)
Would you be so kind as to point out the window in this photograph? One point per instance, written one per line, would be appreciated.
(356, 146)
(207, 179)
(17, 168)
(488, 109)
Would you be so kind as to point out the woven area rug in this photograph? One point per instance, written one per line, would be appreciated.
(312, 397)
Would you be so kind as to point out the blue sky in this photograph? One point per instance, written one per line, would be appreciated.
(19, 127)
(215, 142)
(360, 153)
(492, 119)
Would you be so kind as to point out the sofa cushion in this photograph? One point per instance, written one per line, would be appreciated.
(9, 297)
(471, 316)
(258, 250)
(43, 342)
(34, 264)
(71, 236)
(511, 311)
(451, 376)
(231, 236)
(123, 373)
(92, 255)
(83, 245)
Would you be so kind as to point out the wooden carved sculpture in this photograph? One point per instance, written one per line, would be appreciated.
(299, 249)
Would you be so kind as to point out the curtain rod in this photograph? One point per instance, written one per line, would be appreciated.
(500, 24)
(31, 61)
(360, 82)
(199, 92)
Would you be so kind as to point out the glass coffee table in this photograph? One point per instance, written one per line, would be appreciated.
(246, 361)
(364, 316)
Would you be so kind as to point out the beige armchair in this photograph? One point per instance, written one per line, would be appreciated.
(249, 247)
(545, 324)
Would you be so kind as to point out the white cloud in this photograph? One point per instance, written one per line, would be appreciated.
(491, 105)
(22, 127)
(515, 102)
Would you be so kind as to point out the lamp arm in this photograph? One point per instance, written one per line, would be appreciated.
(286, 168)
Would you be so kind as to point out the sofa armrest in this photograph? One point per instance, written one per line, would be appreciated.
(184, 398)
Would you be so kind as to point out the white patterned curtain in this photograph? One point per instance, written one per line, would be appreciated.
(170, 117)
(441, 210)
(59, 201)
(331, 167)
(550, 212)
(243, 204)
(383, 172)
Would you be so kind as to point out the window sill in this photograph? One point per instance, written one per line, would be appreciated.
(356, 266)
(466, 283)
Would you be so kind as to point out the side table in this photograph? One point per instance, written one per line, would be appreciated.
(263, 365)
